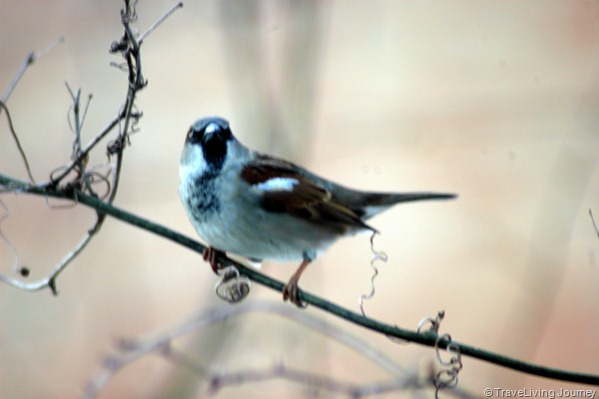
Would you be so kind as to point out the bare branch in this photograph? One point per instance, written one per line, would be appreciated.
(159, 22)
(594, 224)
(54, 180)
(50, 280)
(78, 122)
(16, 139)
(129, 351)
(27, 62)
(83, 179)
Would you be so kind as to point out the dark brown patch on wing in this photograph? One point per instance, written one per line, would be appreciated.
(308, 200)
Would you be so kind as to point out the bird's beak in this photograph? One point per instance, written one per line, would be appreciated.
(210, 131)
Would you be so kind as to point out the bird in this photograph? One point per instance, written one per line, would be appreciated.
(262, 207)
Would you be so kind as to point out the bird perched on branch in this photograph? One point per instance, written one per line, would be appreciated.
(262, 207)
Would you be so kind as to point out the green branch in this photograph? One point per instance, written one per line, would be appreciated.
(427, 338)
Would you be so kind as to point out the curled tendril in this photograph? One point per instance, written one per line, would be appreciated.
(232, 287)
(135, 117)
(447, 377)
(116, 146)
(378, 256)
(93, 177)
(433, 323)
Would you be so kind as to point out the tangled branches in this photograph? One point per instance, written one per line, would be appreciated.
(77, 177)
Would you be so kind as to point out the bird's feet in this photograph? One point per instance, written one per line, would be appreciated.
(211, 256)
(291, 290)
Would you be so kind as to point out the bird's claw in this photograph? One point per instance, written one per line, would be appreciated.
(290, 292)
(211, 255)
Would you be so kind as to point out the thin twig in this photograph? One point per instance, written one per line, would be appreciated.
(16, 139)
(81, 161)
(309, 379)
(594, 224)
(85, 152)
(27, 62)
(159, 22)
(50, 280)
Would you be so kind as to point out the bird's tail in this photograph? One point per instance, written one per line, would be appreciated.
(378, 202)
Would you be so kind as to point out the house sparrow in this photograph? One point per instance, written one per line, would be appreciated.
(262, 207)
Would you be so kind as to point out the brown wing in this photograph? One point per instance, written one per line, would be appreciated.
(307, 199)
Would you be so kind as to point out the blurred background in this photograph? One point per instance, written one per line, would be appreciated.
(496, 101)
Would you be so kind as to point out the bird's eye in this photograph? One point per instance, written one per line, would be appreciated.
(193, 136)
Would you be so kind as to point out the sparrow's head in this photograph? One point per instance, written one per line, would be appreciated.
(209, 144)
(210, 135)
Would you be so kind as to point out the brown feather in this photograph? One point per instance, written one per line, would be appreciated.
(308, 200)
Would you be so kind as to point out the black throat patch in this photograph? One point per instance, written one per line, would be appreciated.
(215, 150)
(203, 200)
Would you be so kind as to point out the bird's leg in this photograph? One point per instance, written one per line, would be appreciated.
(291, 289)
(211, 255)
